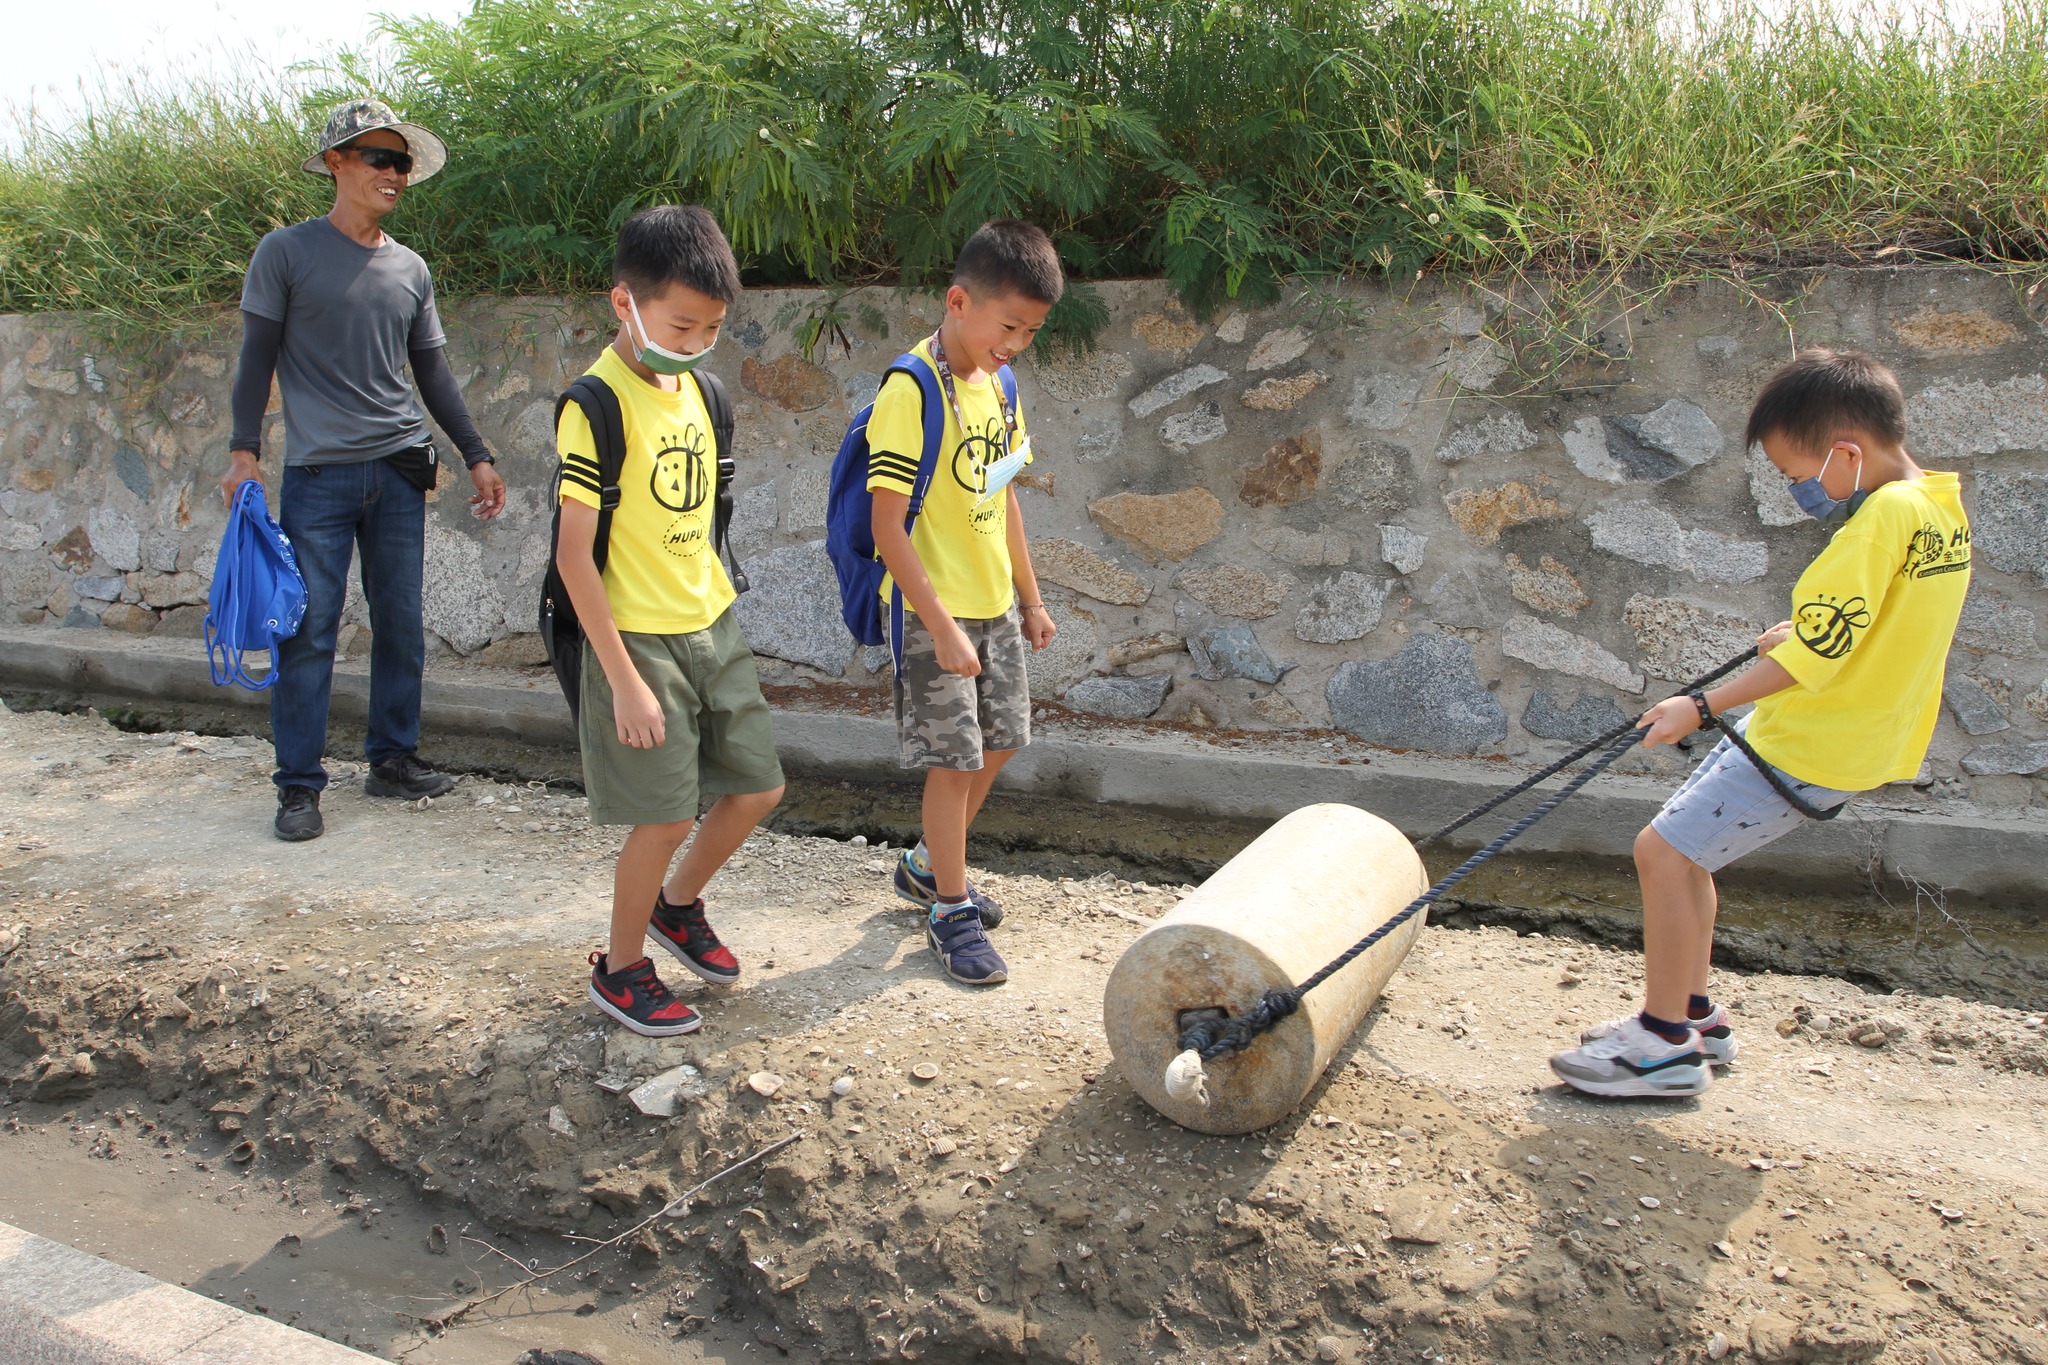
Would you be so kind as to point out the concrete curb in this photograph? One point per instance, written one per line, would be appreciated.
(62, 1306)
(1966, 850)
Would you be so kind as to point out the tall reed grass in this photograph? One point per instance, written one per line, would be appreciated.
(1228, 146)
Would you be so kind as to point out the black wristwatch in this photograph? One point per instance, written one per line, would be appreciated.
(1699, 699)
(481, 459)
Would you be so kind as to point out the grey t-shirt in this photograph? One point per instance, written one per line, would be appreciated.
(351, 314)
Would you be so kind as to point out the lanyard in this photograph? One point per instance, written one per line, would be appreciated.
(953, 399)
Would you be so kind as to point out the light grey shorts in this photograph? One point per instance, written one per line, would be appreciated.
(1727, 809)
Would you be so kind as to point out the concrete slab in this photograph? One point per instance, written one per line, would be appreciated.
(62, 1306)
(1957, 846)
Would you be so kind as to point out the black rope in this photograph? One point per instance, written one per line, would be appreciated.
(1590, 746)
(1214, 1038)
(1772, 776)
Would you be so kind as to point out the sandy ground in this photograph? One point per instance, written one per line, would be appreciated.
(213, 1041)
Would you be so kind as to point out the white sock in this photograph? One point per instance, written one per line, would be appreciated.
(921, 859)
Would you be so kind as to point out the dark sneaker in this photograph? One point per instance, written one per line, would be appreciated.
(683, 930)
(405, 776)
(921, 889)
(964, 950)
(298, 815)
(637, 998)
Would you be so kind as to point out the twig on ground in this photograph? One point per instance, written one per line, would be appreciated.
(678, 1206)
(524, 1268)
(675, 1208)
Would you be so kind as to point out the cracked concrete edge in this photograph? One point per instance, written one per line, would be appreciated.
(63, 1306)
(1968, 851)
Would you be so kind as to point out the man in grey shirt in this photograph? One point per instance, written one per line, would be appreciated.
(336, 311)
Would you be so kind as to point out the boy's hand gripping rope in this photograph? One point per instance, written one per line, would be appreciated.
(1209, 1039)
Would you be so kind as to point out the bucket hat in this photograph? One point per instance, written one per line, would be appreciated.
(352, 120)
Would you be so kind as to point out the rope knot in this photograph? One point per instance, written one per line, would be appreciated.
(1214, 1038)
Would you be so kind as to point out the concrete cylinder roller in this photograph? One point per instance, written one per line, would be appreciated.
(1318, 881)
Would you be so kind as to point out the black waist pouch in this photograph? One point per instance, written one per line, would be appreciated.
(418, 465)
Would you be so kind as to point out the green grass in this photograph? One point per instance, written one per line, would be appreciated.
(1226, 146)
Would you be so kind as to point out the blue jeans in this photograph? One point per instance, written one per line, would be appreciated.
(330, 511)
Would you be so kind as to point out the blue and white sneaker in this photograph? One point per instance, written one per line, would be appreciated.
(964, 950)
(1630, 1060)
(922, 889)
(1717, 1038)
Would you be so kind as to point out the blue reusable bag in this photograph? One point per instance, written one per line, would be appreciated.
(849, 508)
(257, 597)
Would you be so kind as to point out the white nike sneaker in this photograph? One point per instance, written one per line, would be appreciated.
(1717, 1038)
(1631, 1060)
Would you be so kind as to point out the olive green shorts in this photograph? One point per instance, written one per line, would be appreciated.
(717, 740)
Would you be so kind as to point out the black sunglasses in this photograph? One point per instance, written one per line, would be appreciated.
(383, 159)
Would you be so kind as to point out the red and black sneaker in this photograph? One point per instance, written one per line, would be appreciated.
(637, 998)
(683, 930)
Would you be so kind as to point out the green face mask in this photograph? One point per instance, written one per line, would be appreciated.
(660, 359)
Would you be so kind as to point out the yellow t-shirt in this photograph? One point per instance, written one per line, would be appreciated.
(965, 548)
(661, 571)
(1872, 620)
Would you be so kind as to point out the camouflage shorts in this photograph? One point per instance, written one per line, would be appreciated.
(946, 721)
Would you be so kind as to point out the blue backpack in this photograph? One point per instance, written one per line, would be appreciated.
(257, 597)
(850, 508)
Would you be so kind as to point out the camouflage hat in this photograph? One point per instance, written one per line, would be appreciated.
(352, 120)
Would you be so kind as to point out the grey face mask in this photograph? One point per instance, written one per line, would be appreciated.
(1814, 500)
(660, 359)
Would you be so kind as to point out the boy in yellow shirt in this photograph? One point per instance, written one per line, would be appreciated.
(670, 708)
(963, 702)
(1847, 693)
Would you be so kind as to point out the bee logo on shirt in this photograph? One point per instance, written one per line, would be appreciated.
(975, 453)
(681, 479)
(1925, 548)
(1828, 627)
(1933, 553)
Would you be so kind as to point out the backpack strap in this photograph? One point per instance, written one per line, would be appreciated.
(718, 405)
(919, 369)
(934, 406)
(608, 428)
(1007, 377)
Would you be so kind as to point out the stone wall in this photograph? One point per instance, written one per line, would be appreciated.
(1286, 518)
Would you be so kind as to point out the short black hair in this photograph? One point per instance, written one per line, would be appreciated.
(1822, 393)
(1009, 256)
(675, 244)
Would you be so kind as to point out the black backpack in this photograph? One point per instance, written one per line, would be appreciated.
(560, 632)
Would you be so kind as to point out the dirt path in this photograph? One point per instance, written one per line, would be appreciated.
(396, 1008)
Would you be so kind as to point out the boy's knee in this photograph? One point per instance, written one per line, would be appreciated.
(1655, 855)
(758, 803)
(671, 834)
